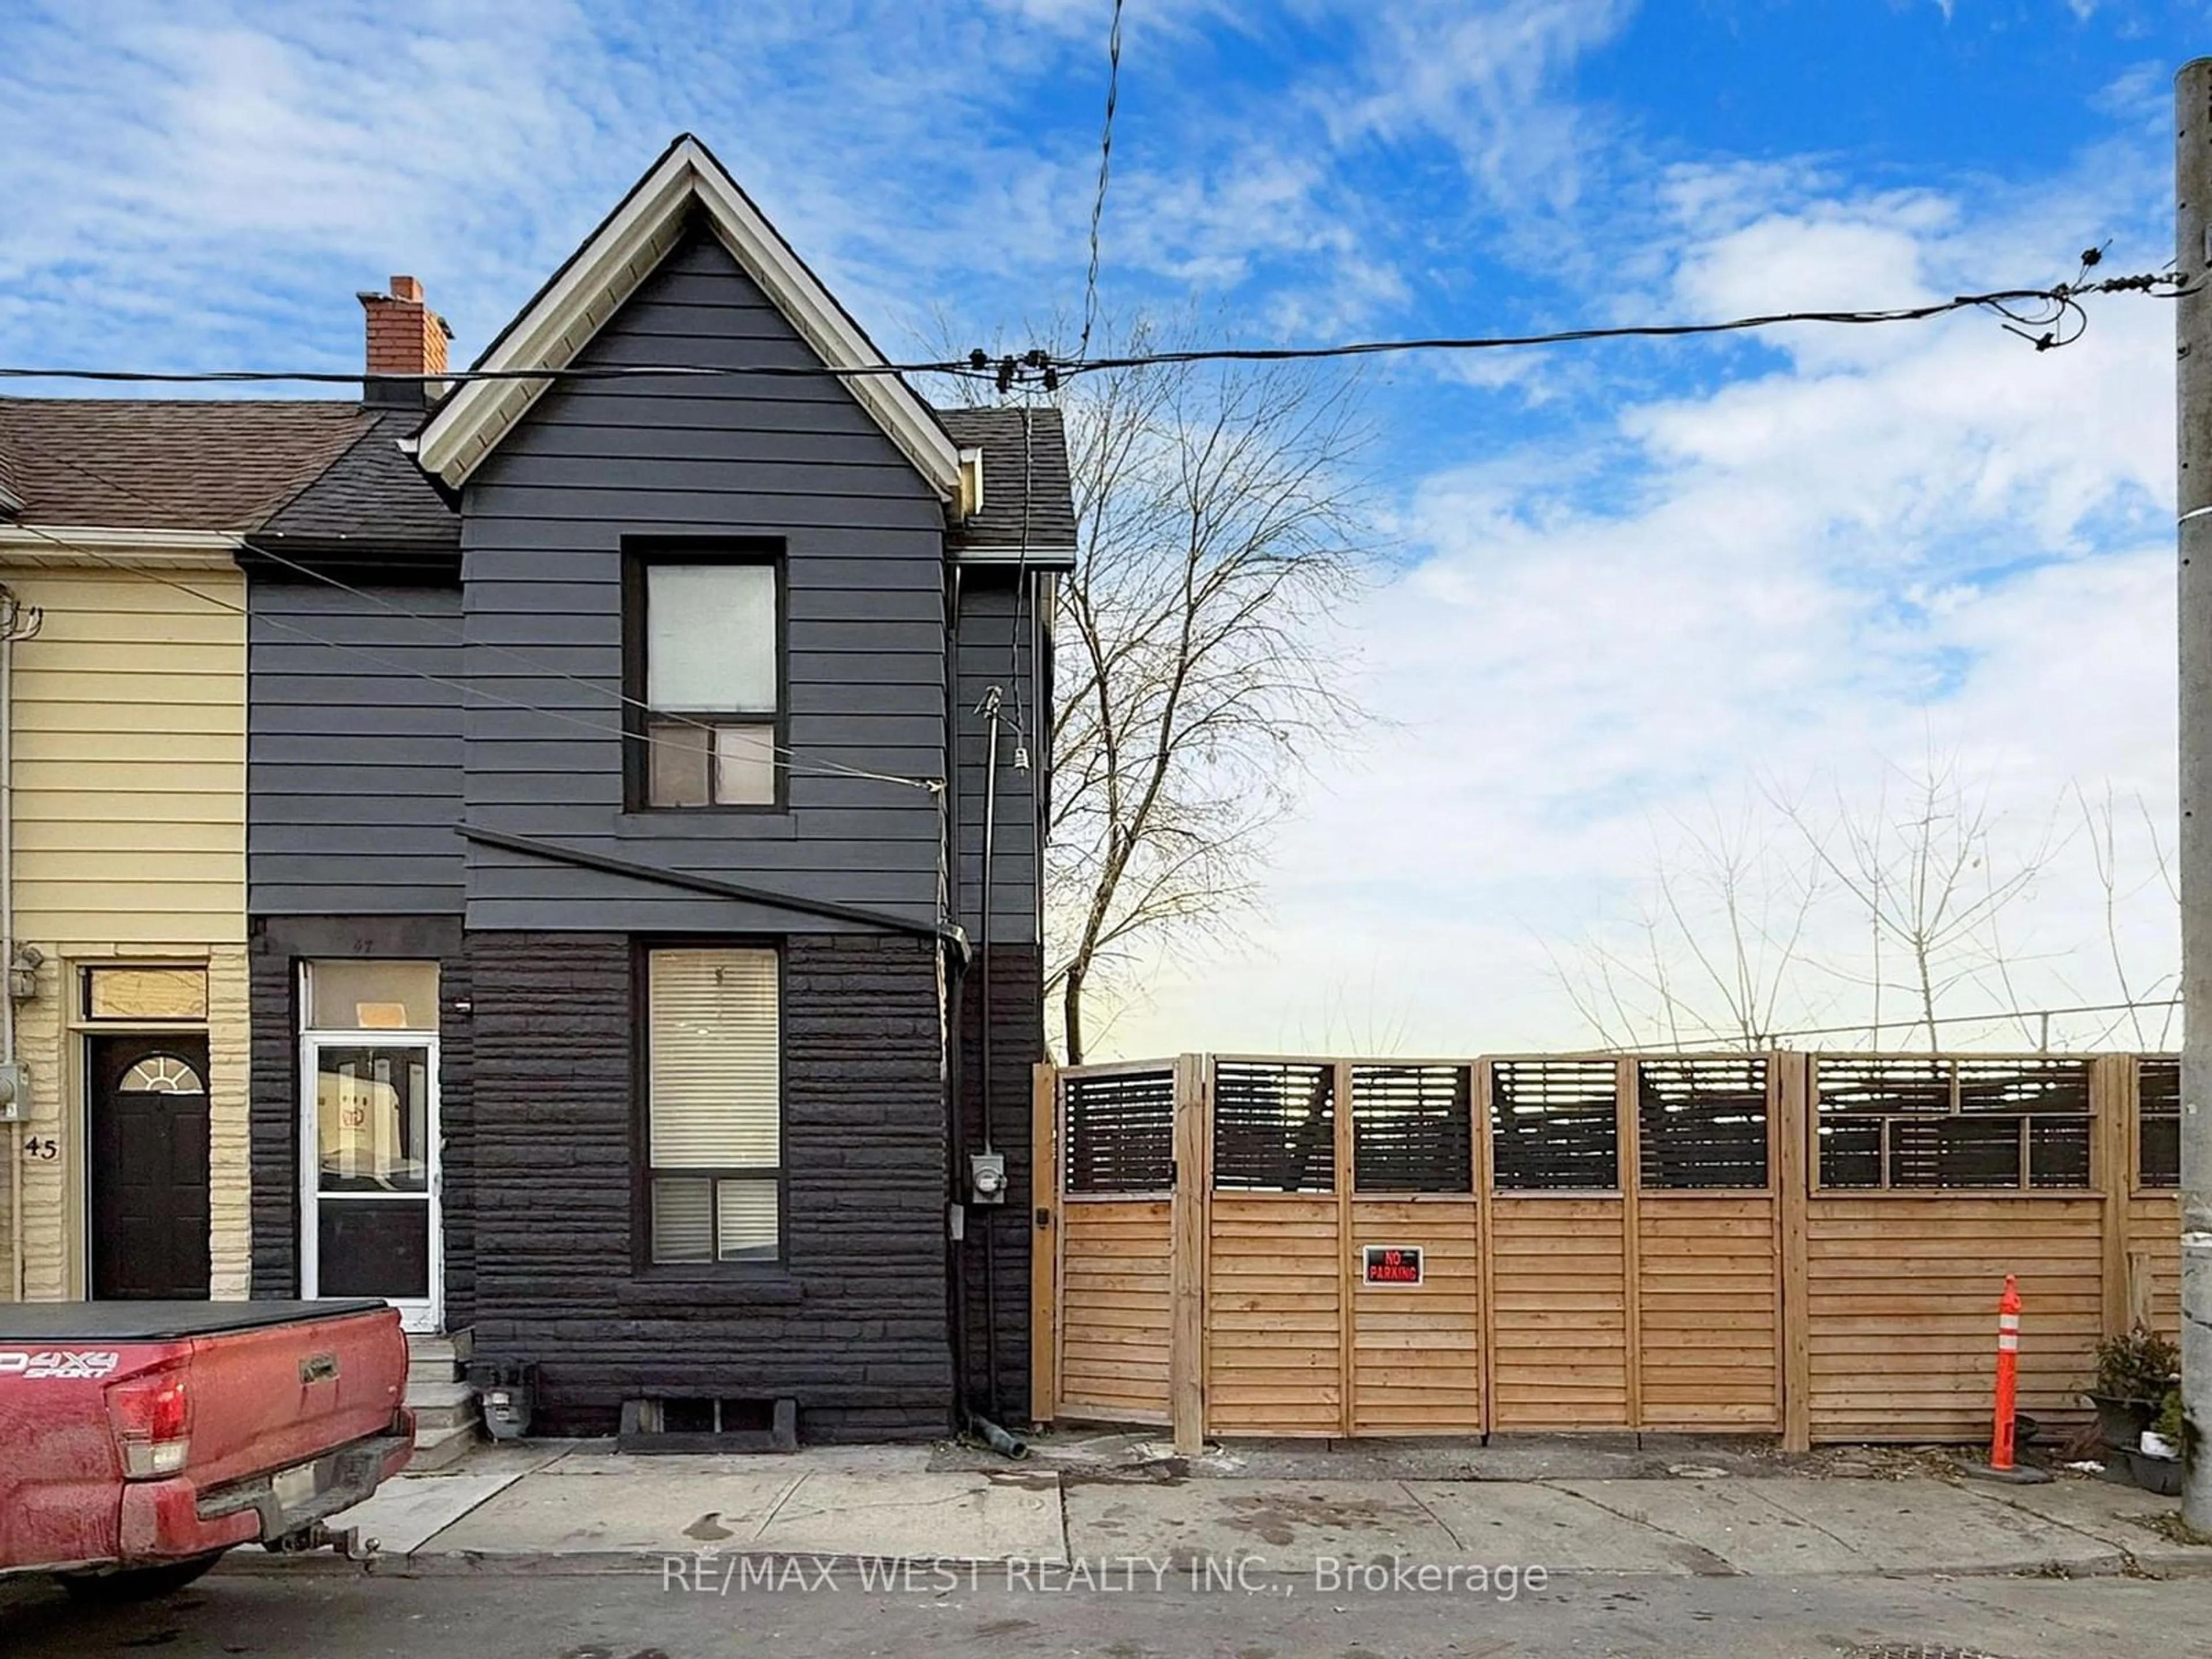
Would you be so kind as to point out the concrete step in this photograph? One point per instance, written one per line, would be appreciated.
(441, 1448)
(441, 1405)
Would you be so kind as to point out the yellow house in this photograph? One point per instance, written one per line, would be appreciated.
(123, 779)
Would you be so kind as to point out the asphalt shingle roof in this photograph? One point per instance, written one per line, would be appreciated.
(1008, 476)
(372, 493)
(131, 463)
(328, 471)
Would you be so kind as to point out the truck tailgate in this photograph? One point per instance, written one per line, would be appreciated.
(248, 1392)
(270, 1398)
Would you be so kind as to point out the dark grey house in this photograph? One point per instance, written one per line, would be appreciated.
(631, 984)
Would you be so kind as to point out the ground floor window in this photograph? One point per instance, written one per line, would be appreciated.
(713, 1105)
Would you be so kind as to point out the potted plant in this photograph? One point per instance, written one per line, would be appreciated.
(2133, 1373)
(2156, 1464)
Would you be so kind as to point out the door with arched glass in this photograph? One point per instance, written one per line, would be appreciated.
(368, 1065)
(147, 1107)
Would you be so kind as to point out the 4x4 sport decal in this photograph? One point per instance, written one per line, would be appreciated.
(64, 1363)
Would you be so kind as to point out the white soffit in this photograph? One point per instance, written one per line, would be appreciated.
(614, 263)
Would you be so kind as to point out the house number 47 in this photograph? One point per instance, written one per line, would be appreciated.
(42, 1149)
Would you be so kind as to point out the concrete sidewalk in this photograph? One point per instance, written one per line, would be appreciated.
(583, 1509)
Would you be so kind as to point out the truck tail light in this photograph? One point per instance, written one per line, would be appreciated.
(152, 1417)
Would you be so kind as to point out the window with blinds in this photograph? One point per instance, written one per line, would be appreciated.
(713, 1105)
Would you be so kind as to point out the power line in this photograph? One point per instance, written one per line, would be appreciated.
(963, 369)
(1105, 168)
(2048, 318)
(820, 767)
(1021, 588)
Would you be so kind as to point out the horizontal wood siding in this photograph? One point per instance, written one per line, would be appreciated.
(853, 1327)
(544, 522)
(1707, 1278)
(994, 650)
(1274, 1307)
(354, 755)
(1417, 1350)
(1114, 1308)
(1560, 1321)
(1903, 1310)
(129, 763)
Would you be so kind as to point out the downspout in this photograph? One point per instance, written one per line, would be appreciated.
(956, 974)
(18, 622)
(990, 713)
(16, 1230)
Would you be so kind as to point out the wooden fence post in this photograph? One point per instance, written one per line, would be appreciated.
(1044, 1242)
(1628, 1133)
(1187, 1312)
(2112, 1103)
(1347, 1253)
(1484, 1242)
(1791, 1141)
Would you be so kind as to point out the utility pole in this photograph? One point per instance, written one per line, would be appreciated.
(2192, 177)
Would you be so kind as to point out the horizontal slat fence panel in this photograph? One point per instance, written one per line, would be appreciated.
(1273, 1304)
(1902, 1314)
(1710, 1342)
(1558, 1322)
(1842, 1287)
(1120, 1133)
(1417, 1349)
(1114, 1308)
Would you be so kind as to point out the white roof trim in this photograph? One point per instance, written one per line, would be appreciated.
(59, 544)
(616, 262)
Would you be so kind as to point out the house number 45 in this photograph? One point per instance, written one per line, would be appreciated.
(42, 1149)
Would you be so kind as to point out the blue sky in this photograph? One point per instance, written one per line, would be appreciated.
(1624, 581)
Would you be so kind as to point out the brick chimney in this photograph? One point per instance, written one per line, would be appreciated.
(405, 337)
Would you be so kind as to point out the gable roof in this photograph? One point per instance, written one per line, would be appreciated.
(615, 259)
(163, 463)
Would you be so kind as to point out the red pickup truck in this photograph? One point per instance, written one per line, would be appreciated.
(140, 1440)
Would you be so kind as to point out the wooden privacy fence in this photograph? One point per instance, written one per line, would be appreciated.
(1805, 1245)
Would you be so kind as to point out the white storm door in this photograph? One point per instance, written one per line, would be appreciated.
(369, 1215)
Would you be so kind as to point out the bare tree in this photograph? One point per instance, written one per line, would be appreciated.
(1898, 910)
(1719, 938)
(2101, 821)
(1200, 668)
(1922, 869)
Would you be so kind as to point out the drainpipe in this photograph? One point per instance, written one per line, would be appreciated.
(15, 1230)
(990, 1217)
(18, 622)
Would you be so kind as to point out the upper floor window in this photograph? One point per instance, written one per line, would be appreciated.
(704, 658)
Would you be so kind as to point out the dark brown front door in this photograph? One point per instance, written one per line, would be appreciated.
(148, 1104)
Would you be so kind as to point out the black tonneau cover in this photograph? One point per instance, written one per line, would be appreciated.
(158, 1322)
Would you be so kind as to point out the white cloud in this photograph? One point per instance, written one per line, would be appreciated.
(1489, 79)
(1851, 549)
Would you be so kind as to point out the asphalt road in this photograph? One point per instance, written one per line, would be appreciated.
(314, 1613)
